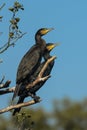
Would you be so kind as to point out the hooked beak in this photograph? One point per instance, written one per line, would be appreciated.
(56, 44)
(50, 46)
(50, 29)
(45, 31)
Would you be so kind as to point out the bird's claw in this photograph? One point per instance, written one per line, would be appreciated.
(36, 98)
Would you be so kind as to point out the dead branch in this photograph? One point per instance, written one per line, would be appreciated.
(5, 85)
(9, 108)
(2, 79)
(45, 66)
(6, 91)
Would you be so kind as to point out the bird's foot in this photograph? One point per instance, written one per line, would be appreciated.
(36, 98)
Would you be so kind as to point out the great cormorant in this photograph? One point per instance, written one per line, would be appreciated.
(35, 88)
(31, 60)
(48, 70)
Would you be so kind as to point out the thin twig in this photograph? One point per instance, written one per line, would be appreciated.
(2, 6)
(5, 47)
(2, 79)
(20, 36)
(8, 44)
(6, 91)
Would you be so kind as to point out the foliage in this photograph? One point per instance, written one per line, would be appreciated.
(66, 115)
(14, 33)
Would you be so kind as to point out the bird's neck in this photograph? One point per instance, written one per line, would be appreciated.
(47, 56)
(41, 42)
(38, 38)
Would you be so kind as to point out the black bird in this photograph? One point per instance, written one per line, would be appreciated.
(48, 70)
(31, 60)
(32, 91)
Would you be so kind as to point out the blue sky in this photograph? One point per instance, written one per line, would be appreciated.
(69, 18)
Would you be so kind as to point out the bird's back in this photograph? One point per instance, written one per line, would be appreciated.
(28, 64)
(26, 68)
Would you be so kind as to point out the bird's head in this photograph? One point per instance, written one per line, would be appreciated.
(50, 46)
(43, 31)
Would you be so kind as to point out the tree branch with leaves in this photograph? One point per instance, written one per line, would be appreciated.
(14, 33)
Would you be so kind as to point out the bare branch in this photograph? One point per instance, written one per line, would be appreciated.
(5, 47)
(9, 108)
(45, 66)
(9, 43)
(5, 85)
(6, 91)
(2, 6)
(2, 79)
(17, 38)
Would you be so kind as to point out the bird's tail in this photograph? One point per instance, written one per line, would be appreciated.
(16, 91)
(21, 99)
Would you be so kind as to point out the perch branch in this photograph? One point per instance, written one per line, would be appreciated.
(6, 91)
(5, 85)
(45, 66)
(9, 108)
